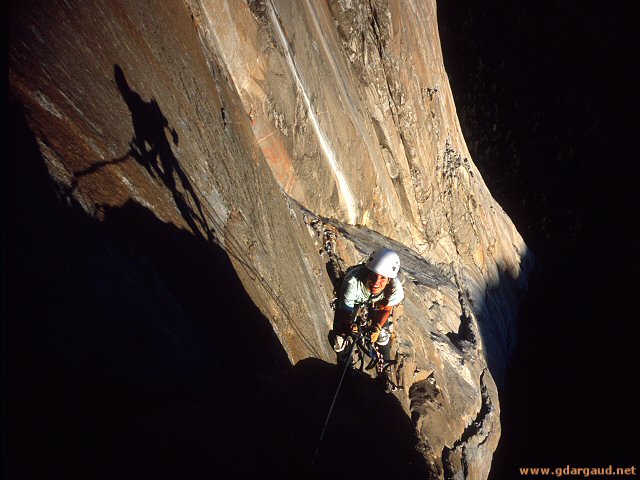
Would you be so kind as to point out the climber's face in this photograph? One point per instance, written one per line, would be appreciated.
(377, 283)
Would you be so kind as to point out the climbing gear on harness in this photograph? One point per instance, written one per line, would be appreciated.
(384, 262)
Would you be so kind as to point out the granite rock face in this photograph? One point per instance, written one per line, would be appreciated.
(269, 141)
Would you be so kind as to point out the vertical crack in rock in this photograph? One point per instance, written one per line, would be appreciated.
(401, 111)
(456, 459)
(424, 397)
(454, 167)
(466, 338)
(341, 81)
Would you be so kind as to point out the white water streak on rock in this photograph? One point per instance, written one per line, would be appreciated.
(340, 81)
(343, 186)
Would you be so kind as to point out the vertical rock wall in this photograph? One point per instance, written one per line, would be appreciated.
(352, 108)
(282, 136)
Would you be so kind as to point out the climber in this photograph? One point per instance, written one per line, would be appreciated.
(376, 284)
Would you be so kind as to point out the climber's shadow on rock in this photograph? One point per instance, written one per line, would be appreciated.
(135, 350)
(151, 149)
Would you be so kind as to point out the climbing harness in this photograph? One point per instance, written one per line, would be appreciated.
(367, 348)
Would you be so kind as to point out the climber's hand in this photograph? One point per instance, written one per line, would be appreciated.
(354, 328)
(374, 333)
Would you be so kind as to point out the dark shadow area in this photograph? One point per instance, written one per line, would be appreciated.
(131, 350)
(368, 433)
(547, 97)
(126, 341)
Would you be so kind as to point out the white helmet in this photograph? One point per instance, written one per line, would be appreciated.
(384, 262)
